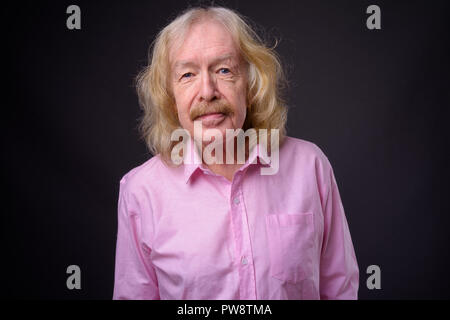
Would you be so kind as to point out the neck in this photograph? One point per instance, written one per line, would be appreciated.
(224, 169)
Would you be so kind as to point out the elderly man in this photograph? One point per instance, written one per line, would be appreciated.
(200, 229)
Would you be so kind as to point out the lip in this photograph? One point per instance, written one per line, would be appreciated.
(211, 119)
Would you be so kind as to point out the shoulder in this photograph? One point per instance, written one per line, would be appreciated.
(142, 175)
(296, 149)
(305, 158)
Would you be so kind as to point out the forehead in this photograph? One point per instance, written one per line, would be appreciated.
(204, 41)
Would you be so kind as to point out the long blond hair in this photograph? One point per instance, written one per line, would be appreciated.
(265, 110)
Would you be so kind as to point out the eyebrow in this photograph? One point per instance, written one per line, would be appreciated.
(187, 63)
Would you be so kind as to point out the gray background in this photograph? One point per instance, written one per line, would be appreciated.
(376, 102)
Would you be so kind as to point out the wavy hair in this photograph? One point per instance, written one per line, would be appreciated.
(265, 107)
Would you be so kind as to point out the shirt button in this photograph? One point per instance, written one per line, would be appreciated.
(236, 200)
(244, 260)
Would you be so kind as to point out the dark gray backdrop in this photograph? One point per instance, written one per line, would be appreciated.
(376, 102)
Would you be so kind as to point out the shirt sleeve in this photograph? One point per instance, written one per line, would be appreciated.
(135, 277)
(339, 273)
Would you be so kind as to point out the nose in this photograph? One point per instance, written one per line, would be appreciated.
(208, 90)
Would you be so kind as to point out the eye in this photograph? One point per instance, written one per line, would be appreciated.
(187, 75)
(224, 71)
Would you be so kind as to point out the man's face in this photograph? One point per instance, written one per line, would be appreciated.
(209, 79)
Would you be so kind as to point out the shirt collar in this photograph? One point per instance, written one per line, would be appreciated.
(192, 160)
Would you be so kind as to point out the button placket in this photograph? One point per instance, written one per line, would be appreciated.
(247, 288)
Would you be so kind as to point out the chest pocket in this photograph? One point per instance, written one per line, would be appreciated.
(291, 242)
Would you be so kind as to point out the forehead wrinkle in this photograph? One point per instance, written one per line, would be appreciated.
(183, 63)
(222, 58)
(180, 41)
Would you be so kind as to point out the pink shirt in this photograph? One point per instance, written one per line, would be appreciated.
(187, 233)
